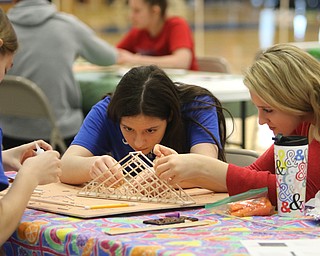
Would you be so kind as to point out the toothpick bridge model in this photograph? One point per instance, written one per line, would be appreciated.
(139, 183)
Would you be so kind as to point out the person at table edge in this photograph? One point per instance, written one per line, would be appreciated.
(32, 170)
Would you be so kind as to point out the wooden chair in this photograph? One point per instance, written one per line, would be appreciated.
(20, 97)
(221, 65)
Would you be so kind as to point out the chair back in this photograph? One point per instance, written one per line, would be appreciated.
(20, 97)
(241, 157)
(213, 64)
(221, 65)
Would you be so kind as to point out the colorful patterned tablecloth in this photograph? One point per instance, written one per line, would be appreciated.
(42, 233)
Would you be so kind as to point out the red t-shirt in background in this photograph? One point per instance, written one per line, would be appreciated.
(175, 34)
(262, 172)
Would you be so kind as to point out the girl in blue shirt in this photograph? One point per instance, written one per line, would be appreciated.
(33, 171)
(146, 108)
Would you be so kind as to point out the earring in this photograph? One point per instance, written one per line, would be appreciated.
(125, 142)
(151, 155)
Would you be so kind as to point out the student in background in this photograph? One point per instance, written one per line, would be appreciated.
(156, 38)
(284, 84)
(146, 108)
(50, 42)
(32, 170)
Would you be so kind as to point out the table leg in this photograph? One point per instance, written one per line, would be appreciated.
(243, 120)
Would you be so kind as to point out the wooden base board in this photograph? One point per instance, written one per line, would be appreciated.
(62, 199)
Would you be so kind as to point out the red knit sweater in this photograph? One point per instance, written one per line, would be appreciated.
(262, 172)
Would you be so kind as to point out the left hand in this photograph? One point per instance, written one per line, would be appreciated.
(13, 158)
(176, 168)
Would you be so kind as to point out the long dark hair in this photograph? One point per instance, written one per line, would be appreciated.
(163, 4)
(149, 91)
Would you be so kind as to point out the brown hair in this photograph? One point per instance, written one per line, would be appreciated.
(163, 4)
(7, 35)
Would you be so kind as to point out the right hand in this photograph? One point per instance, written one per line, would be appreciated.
(44, 168)
(107, 166)
(13, 158)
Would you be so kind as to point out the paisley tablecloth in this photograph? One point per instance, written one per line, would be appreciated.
(41, 233)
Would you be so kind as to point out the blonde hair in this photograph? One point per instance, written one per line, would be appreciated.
(288, 79)
(7, 35)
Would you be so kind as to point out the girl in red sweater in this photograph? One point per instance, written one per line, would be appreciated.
(156, 38)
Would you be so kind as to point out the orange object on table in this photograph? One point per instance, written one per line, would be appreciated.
(252, 207)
